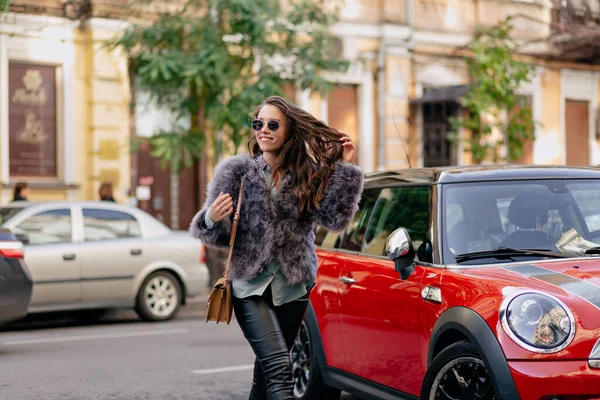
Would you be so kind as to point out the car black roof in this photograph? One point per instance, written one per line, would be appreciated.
(478, 173)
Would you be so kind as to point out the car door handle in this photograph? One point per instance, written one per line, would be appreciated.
(347, 280)
(136, 252)
(69, 257)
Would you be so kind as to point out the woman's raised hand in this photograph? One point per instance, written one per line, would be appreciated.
(349, 148)
(221, 208)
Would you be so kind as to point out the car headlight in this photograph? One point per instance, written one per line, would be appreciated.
(537, 321)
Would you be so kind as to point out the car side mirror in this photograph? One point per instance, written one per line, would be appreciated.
(400, 250)
(22, 237)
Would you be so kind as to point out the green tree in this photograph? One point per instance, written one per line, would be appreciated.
(211, 61)
(4, 6)
(491, 103)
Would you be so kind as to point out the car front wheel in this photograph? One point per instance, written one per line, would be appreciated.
(159, 297)
(308, 381)
(458, 372)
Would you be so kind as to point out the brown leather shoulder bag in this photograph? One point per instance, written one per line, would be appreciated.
(220, 304)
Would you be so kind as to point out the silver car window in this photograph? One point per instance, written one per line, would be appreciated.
(7, 213)
(102, 224)
(53, 226)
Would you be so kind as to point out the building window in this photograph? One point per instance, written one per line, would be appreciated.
(342, 112)
(438, 151)
(33, 121)
(577, 132)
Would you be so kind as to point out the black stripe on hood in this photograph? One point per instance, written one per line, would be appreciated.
(583, 289)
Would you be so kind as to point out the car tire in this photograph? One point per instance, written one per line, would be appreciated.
(308, 381)
(159, 297)
(458, 371)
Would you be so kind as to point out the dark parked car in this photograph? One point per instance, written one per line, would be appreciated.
(15, 280)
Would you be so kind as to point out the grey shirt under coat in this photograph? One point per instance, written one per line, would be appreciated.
(276, 230)
(271, 275)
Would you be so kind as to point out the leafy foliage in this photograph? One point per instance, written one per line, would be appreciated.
(4, 6)
(211, 61)
(492, 103)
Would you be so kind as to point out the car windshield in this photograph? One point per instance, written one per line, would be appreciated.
(496, 218)
(6, 213)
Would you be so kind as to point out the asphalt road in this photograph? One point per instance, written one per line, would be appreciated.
(122, 358)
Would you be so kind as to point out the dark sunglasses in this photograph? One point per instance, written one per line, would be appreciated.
(257, 125)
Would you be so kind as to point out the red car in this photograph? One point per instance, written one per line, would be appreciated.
(459, 283)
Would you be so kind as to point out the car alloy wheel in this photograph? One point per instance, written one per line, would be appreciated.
(300, 355)
(161, 296)
(463, 378)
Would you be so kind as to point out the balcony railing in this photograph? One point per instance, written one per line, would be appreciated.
(575, 30)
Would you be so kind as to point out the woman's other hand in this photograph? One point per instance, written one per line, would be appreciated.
(221, 208)
(349, 148)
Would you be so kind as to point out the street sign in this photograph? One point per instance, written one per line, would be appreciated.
(146, 180)
(142, 193)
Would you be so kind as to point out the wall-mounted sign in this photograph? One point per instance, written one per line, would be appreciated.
(142, 193)
(32, 122)
(146, 180)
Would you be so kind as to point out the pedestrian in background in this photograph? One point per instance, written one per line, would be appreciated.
(132, 198)
(298, 175)
(21, 192)
(106, 192)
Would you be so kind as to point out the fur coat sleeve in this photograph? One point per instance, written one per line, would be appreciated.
(341, 197)
(226, 179)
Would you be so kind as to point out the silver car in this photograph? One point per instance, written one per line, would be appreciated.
(100, 255)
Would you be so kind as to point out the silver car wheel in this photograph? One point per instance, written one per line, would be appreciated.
(161, 296)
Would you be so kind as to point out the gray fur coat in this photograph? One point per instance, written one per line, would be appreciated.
(279, 230)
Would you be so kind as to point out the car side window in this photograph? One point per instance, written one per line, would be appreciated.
(102, 224)
(355, 232)
(47, 227)
(401, 207)
(8, 212)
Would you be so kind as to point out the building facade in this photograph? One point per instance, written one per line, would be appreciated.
(408, 72)
(64, 106)
(66, 120)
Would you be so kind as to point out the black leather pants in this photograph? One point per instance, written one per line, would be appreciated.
(271, 331)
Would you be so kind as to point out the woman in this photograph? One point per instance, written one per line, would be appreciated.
(21, 192)
(106, 192)
(298, 175)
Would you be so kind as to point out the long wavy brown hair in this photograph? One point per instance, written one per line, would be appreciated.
(309, 152)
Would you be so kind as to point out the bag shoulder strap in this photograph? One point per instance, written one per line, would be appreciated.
(236, 220)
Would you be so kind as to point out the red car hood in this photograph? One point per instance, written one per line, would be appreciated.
(576, 276)
(575, 281)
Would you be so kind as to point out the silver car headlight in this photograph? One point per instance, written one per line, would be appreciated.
(537, 321)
